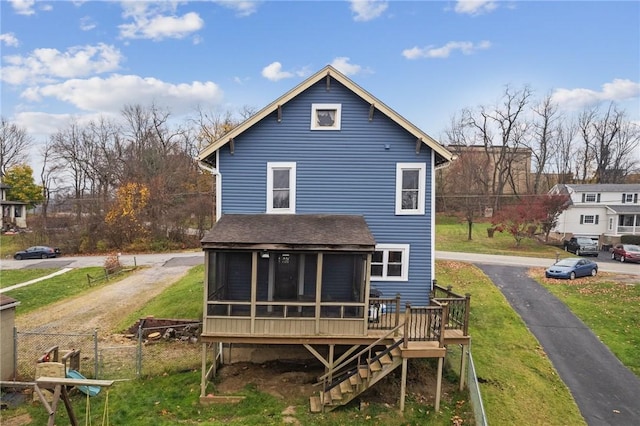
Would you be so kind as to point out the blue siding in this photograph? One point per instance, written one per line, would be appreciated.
(347, 171)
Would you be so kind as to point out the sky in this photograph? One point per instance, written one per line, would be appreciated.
(427, 60)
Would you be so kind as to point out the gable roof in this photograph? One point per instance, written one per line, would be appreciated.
(442, 154)
(599, 187)
(285, 232)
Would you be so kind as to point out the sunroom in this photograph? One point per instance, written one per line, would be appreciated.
(286, 276)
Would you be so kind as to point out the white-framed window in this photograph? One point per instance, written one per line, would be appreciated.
(589, 219)
(410, 188)
(590, 198)
(390, 262)
(326, 116)
(628, 198)
(281, 187)
(610, 224)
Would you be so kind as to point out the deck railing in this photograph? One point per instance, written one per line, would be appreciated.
(458, 318)
(425, 323)
(384, 313)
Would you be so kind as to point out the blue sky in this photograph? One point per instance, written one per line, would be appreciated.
(427, 60)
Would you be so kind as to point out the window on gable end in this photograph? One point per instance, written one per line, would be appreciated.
(281, 187)
(410, 188)
(326, 116)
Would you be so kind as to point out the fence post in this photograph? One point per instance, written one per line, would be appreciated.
(139, 352)
(15, 352)
(95, 353)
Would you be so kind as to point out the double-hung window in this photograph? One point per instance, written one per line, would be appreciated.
(390, 262)
(410, 188)
(281, 187)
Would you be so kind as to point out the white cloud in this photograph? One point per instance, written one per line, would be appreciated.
(475, 7)
(49, 64)
(242, 8)
(466, 47)
(157, 21)
(366, 10)
(615, 91)
(111, 94)
(9, 39)
(23, 7)
(342, 64)
(87, 23)
(274, 72)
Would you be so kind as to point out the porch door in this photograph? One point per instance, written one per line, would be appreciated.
(285, 277)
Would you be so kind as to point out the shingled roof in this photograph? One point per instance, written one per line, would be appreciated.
(285, 232)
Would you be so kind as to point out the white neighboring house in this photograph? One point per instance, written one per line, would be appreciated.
(14, 213)
(604, 211)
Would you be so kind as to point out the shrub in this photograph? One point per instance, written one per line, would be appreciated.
(112, 264)
(630, 239)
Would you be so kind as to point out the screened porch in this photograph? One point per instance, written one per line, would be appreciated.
(287, 276)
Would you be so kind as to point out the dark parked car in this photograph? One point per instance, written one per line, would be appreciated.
(572, 268)
(581, 246)
(37, 252)
(626, 253)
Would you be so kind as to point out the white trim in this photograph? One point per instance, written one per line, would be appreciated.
(291, 166)
(336, 120)
(385, 249)
(422, 172)
(432, 218)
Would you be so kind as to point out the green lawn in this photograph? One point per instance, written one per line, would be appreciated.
(452, 234)
(53, 289)
(9, 277)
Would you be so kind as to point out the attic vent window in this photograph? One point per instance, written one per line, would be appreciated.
(325, 116)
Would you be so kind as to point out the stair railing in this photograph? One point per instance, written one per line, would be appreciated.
(348, 372)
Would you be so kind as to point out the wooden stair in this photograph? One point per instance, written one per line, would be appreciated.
(356, 380)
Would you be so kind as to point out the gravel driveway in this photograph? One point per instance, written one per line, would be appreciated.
(103, 308)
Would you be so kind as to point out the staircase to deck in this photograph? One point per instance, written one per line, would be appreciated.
(357, 379)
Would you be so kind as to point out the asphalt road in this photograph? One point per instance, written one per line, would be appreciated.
(607, 393)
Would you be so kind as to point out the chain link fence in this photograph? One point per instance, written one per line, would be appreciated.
(151, 351)
(31, 345)
(169, 348)
(474, 393)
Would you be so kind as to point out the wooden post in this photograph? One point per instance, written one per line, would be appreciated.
(463, 361)
(203, 375)
(439, 384)
(403, 385)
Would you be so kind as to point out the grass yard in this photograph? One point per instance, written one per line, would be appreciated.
(181, 300)
(16, 276)
(452, 235)
(609, 305)
(53, 289)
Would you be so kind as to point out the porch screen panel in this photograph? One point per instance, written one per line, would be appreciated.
(239, 276)
(310, 267)
(337, 278)
(263, 279)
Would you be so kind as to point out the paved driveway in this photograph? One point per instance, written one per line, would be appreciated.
(607, 393)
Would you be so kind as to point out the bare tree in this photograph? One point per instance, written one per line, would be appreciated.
(564, 153)
(500, 130)
(14, 145)
(545, 141)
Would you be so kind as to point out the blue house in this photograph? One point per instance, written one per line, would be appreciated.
(325, 221)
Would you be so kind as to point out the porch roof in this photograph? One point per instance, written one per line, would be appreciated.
(625, 209)
(285, 232)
